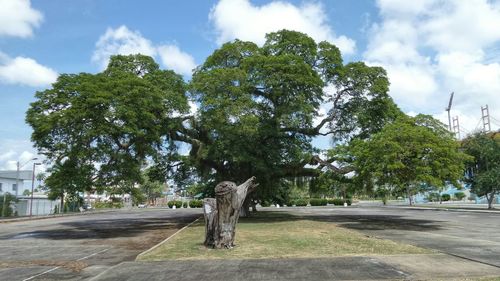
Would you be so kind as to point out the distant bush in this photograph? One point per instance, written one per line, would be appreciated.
(9, 200)
(339, 201)
(185, 205)
(196, 203)
(318, 202)
(336, 201)
(433, 197)
(459, 195)
(108, 205)
(175, 203)
(445, 197)
(265, 203)
(301, 202)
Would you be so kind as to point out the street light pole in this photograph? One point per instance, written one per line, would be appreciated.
(18, 171)
(32, 188)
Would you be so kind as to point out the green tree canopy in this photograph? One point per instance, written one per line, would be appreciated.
(407, 154)
(97, 129)
(258, 111)
(259, 108)
(483, 170)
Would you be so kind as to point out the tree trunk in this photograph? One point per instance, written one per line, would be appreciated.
(210, 212)
(490, 200)
(61, 209)
(245, 208)
(222, 213)
(409, 195)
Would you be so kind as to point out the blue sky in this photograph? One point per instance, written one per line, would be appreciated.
(430, 47)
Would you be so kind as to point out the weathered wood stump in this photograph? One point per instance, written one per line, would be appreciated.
(222, 213)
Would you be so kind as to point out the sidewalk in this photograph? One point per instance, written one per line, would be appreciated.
(407, 267)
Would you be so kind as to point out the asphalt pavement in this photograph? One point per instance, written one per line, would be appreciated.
(81, 247)
(104, 247)
(466, 245)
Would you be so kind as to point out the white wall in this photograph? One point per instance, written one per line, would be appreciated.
(7, 186)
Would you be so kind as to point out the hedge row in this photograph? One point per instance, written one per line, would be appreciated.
(195, 203)
(104, 205)
(318, 202)
(175, 203)
(339, 201)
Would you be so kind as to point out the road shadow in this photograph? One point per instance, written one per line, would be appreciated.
(106, 228)
(356, 222)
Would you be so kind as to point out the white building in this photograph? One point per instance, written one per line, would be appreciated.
(8, 182)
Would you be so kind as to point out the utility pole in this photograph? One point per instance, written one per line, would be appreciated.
(33, 188)
(485, 116)
(17, 179)
(448, 110)
(456, 127)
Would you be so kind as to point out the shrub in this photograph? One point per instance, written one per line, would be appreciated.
(318, 202)
(265, 203)
(459, 195)
(184, 204)
(9, 200)
(445, 197)
(196, 203)
(433, 197)
(300, 202)
(336, 201)
(175, 203)
(103, 205)
(339, 201)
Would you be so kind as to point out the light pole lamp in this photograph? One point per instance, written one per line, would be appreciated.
(18, 172)
(33, 187)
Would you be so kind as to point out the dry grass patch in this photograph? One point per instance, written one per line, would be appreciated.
(272, 235)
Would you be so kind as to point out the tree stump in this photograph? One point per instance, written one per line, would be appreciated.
(222, 213)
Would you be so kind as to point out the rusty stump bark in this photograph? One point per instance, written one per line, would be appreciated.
(222, 213)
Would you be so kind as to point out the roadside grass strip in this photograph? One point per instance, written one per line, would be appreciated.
(279, 235)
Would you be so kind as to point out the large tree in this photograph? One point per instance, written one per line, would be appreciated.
(258, 111)
(407, 154)
(98, 129)
(483, 170)
(259, 108)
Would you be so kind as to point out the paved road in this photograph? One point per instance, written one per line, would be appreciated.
(105, 245)
(80, 247)
(469, 244)
(470, 235)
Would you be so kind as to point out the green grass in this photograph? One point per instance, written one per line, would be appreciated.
(276, 235)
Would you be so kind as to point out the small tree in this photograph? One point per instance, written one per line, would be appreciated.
(409, 154)
(483, 172)
(6, 201)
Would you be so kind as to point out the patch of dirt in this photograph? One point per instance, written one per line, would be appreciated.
(75, 266)
(146, 241)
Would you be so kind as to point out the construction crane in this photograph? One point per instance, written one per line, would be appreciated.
(448, 109)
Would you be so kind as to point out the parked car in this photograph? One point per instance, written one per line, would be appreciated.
(142, 205)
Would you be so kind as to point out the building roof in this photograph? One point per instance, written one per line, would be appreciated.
(23, 175)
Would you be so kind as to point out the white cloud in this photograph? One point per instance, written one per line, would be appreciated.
(18, 18)
(121, 41)
(25, 71)
(173, 58)
(241, 19)
(126, 42)
(12, 150)
(433, 47)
